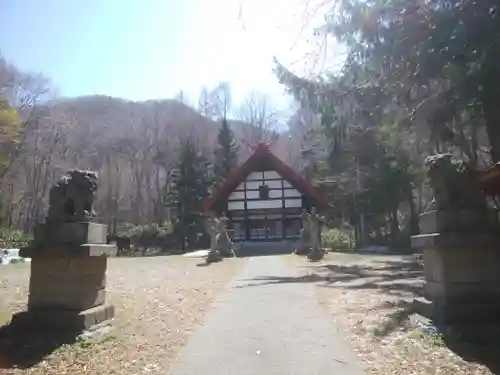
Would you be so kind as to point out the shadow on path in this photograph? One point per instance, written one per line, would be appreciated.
(398, 277)
(401, 278)
(269, 335)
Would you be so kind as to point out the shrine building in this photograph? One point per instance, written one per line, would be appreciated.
(264, 198)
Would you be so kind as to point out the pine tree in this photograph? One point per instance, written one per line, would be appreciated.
(226, 151)
(188, 192)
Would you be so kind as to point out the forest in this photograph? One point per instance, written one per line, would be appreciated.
(418, 78)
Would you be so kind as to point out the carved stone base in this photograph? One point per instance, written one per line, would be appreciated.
(227, 253)
(473, 333)
(462, 284)
(64, 321)
(441, 221)
(461, 263)
(67, 283)
(214, 256)
(315, 255)
(450, 312)
(302, 249)
(70, 234)
(74, 251)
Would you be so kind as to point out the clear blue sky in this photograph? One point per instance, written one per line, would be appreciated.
(147, 49)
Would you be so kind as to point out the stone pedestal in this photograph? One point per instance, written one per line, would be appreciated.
(304, 243)
(67, 289)
(221, 245)
(303, 248)
(315, 228)
(461, 254)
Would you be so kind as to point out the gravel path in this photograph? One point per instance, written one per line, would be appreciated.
(265, 323)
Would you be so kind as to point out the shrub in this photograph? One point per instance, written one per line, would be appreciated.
(337, 239)
(152, 235)
(150, 230)
(13, 238)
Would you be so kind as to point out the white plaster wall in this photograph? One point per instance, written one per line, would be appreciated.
(253, 185)
(292, 193)
(264, 204)
(236, 205)
(254, 176)
(252, 194)
(271, 174)
(237, 195)
(275, 194)
(273, 184)
(293, 202)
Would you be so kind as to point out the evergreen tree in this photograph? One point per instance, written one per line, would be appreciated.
(226, 151)
(428, 63)
(187, 193)
(413, 68)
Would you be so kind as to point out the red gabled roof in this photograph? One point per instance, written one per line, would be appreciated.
(262, 154)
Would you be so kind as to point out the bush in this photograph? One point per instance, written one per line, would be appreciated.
(151, 230)
(337, 239)
(13, 238)
(152, 235)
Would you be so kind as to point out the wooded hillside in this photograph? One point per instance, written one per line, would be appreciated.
(419, 78)
(133, 145)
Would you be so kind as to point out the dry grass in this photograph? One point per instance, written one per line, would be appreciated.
(369, 298)
(158, 302)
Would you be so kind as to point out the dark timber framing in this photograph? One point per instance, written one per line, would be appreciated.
(267, 213)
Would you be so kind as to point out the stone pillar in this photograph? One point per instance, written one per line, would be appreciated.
(461, 254)
(224, 243)
(316, 252)
(460, 244)
(214, 254)
(304, 243)
(67, 290)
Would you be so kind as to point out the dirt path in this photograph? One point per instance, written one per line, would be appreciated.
(159, 301)
(264, 324)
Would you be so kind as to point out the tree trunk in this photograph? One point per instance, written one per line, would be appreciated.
(491, 110)
(474, 144)
(414, 229)
(394, 224)
(357, 234)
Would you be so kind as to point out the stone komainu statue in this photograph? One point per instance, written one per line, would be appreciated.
(224, 242)
(304, 242)
(454, 184)
(71, 199)
(214, 254)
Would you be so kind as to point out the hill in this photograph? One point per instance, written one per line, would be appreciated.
(133, 145)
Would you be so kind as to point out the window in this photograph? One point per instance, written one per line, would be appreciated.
(263, 192)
